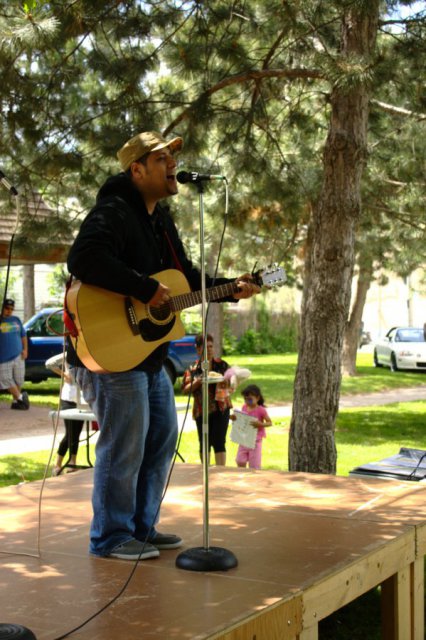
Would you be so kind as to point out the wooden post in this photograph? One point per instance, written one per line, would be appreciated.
(28, 291)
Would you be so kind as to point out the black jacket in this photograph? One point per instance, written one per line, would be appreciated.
(120, 246)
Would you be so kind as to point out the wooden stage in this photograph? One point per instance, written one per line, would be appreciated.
(306, 545)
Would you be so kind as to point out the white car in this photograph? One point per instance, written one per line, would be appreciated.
(401, 348)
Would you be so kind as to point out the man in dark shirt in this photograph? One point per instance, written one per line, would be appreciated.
(126, 238)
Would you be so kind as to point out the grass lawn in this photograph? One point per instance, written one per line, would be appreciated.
(363, 434)
(275, 376)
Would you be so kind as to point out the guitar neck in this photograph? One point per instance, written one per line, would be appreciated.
(191, 299)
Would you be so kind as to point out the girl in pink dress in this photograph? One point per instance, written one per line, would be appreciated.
(254, 406)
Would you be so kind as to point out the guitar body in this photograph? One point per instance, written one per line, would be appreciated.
(105, 341)
(116, 333)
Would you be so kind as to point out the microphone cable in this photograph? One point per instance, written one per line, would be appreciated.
(222, 238)
(179, 438)
(43, 482)
(138, 560)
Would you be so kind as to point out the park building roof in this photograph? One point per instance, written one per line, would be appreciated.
(40, 234)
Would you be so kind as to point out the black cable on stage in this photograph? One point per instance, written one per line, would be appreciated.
(136, 562)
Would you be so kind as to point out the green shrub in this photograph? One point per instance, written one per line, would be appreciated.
(229, 342)
(258, 342)
(253, 342)
(273, 334)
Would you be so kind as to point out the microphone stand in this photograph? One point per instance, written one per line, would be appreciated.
(12, 191)
(205, 558)
(9, 630)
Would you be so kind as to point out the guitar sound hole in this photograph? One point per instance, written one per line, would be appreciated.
(159, 314)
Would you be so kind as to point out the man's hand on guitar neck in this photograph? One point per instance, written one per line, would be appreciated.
(247, 288)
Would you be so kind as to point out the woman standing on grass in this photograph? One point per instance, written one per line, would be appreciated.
(73, 428)
(219, 399)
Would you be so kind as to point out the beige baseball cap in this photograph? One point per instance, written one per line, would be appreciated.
(143, 143)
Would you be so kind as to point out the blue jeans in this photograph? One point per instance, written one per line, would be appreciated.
(138, 430)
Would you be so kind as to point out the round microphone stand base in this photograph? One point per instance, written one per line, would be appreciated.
(15, 632)
(202, 559)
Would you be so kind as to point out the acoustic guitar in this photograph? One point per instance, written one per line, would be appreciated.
(116, 332)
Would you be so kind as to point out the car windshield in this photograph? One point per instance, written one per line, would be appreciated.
(47, 324)
(410, 335)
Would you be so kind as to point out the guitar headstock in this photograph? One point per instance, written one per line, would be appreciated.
(272, 276)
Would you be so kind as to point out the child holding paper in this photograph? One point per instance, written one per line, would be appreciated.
(254, 406)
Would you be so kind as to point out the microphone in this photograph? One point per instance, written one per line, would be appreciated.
(5, 182)
(192, 176)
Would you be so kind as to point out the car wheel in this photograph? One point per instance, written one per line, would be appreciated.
(170, 371)
(393, 365)
(375, 359)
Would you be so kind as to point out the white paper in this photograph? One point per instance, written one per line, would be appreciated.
(242, 431)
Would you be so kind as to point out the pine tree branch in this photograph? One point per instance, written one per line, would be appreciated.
(253, 75)
(398, 111)
(171, 35)
(395, 183)
(265, 65)
(407, 21)
(405, 218)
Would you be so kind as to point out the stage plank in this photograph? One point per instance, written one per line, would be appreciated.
(306, 545)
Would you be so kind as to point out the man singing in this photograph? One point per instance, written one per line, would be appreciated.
(126, 238)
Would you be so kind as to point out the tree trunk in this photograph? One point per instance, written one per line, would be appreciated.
(327, 286)
(215, 326)
(215, 317)
(29, 293)
(353, 327)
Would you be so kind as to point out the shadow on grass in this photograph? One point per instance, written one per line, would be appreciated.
(46, 388)
(16, 469)
(370, 379)
(383, 424)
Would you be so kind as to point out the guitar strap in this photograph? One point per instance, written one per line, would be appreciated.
(176, 260)
(68, 321)
(173, 252)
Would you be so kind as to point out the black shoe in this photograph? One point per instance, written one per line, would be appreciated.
(25, 399)
(165, 540)
(19, 405)
(134, 550)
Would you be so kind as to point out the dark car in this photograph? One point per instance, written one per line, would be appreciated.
(43, 342)
(44, 331)
(182, 353)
